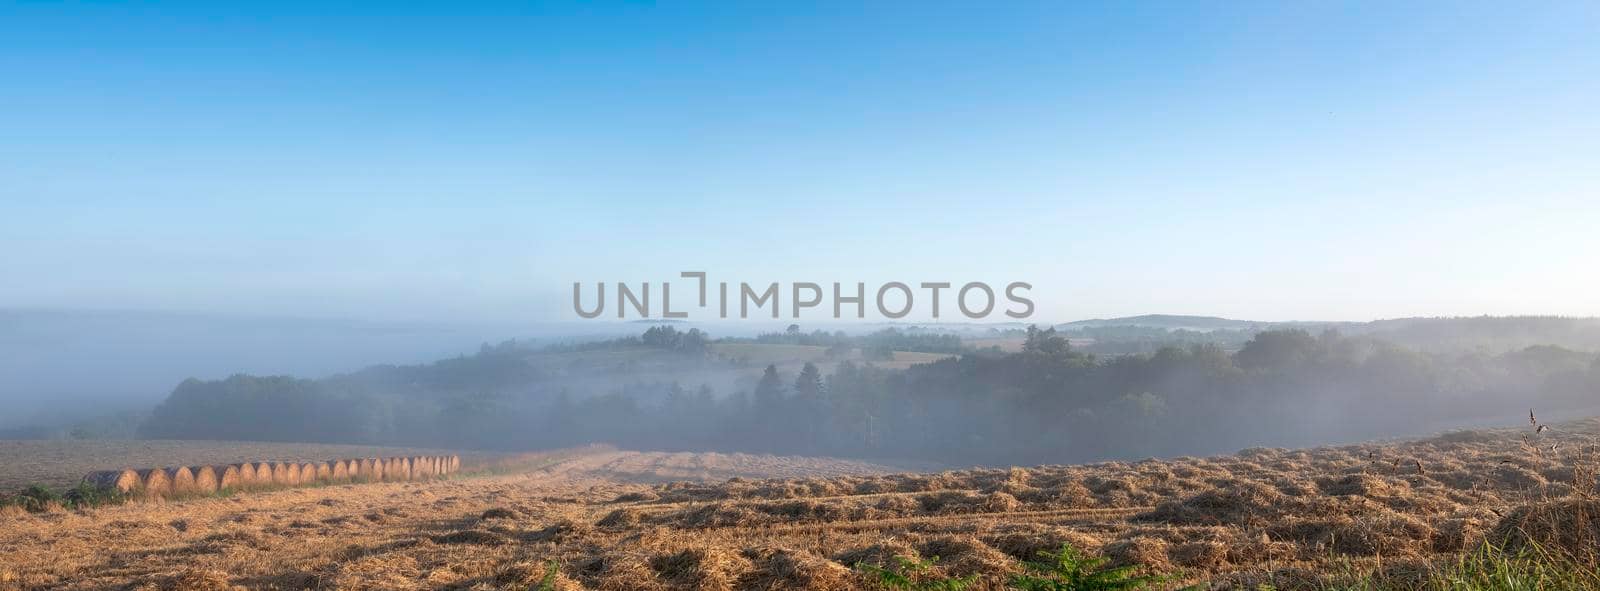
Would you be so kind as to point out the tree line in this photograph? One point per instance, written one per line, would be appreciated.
(1047, 403)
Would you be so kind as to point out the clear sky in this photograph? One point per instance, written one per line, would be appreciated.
(405, 161)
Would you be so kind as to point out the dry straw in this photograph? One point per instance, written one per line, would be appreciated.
(308, 473)
(205, 479)
(324, 471)
(338, 470)
(374, 468)
(118, 480)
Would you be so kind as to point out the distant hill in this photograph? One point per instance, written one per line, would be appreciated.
(1169, 322)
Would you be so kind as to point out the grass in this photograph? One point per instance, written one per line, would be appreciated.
(1488, 568)
(1068, 569)
(910, 574)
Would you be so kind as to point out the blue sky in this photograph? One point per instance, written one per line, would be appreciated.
(401, 161)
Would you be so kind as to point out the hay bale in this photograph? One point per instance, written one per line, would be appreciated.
(181, 479)
(247, 474)
(205, 479)
(400, 468)
(374, 467)
(264, 474)
(455, 464)
(280, 474)
(419, 467)
(308, 473)
(117, 480)
(354, 468)
(154, 482)
(405, 468)
(324, 471)
(228, 477)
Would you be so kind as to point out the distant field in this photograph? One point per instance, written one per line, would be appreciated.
(1007, 344)
(62, 464)
(761, 355)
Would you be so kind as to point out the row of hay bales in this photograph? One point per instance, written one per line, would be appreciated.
(204, 480)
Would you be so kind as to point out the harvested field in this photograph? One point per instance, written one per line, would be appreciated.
(629, 520)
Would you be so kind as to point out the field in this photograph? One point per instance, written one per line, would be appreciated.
(611, 519)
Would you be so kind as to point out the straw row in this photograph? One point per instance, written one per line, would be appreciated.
(201, 480)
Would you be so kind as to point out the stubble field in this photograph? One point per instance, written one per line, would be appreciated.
(1288, 518)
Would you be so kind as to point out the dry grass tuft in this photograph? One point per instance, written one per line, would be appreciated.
(704, 568)
(1568, 526)
(787, 569)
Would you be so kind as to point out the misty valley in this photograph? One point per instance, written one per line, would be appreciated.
(1015, 396)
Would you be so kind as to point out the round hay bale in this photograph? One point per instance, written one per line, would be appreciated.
(407, 470)
(417, 471)
(117, 480)
(392, 470)
(182, 480)
(324, 471)
(455, 464)
(374, 468)
(308, 473)
(280, 474)
(154, 482)
(266, 474)
(247, 474)
(205, 479)
(354, 469)
(294, 473)
(229, 477)
(339, 469)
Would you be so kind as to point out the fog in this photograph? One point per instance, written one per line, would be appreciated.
(958, 394)
(58, 366)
